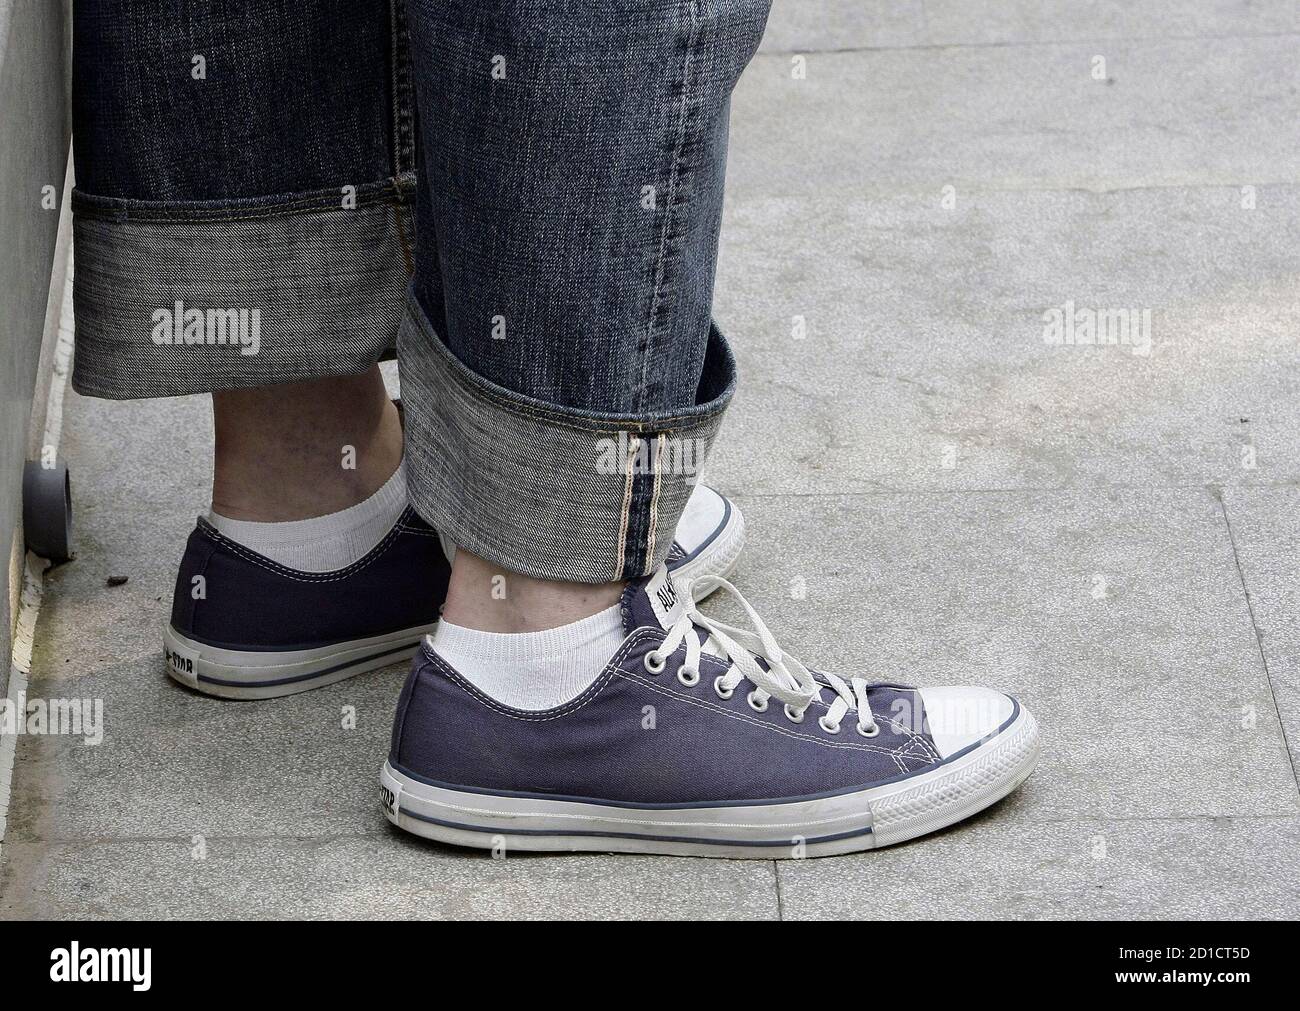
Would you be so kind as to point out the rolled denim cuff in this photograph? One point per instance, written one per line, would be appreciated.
(178, 298)
(549, 491)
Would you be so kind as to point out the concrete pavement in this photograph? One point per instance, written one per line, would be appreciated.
(932, 488)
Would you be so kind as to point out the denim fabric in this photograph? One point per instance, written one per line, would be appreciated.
(478, 459)
(321, 309)
(570, 182)
(246, 159)
(294, 97)
(576, 198)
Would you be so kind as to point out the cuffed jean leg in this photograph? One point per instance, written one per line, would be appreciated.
(245, 191)
(562, 374)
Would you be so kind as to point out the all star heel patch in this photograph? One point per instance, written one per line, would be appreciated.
(184, 663)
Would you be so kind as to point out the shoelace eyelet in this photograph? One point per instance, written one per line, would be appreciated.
(655, 665)
(873, 732)
(689, 676)
(828, 726)
(792, 716)
(722, 693)
(753, 704)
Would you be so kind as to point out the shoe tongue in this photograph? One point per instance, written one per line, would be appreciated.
(651, 600)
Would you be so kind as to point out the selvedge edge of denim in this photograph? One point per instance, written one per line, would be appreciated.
(518, 481)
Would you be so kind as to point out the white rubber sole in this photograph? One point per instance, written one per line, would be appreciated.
(238, 674)
(720, 556)
(867, 819)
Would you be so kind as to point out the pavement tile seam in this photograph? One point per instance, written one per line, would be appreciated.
(1259, 640)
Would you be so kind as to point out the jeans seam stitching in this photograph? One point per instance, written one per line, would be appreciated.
(654, 499)
(402, 142)
(661, 260)
(314, 205)
(625, 513)
(402, 241)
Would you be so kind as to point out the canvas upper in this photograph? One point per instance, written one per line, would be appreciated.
(643, 737)
(245, 601)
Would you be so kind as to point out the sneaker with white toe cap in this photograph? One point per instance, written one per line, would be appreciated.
(698, 738)
(709, 539)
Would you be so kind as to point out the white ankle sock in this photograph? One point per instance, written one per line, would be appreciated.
(533, 670)
(323, 543)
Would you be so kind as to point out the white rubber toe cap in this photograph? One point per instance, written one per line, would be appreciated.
(702, 516)
(957, 717)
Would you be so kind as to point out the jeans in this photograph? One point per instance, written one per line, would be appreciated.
(520, 197)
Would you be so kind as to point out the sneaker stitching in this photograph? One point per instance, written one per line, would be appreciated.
(307, 577)
(612, 669)
(914, 737)
(902, 754)
(572, 706)
(901, 728)
(743, 717)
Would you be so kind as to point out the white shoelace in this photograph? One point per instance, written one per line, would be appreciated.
(784, 679)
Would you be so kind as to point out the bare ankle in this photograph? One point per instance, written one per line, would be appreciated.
(303, 449)
(488, 598)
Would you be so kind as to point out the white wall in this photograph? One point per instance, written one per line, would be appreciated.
(34, 134)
